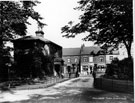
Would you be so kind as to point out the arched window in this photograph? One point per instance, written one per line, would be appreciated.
(101, 59)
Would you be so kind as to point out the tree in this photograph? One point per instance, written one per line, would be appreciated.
(14, 17)
(108, 22)
(122, 68)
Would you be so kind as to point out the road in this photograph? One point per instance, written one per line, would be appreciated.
(76, 90)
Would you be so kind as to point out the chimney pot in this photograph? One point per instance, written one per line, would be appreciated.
(39, 33)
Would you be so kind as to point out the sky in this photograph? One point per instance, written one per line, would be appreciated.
(56, 14)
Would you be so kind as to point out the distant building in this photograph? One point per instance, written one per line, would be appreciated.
(111, 56)
(71, 57)
(83, 59)
(123, 52)
(90, 57)
(36, 56)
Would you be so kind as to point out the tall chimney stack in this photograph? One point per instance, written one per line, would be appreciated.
(40, 33)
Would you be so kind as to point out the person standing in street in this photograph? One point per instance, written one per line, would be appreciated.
(94, 74)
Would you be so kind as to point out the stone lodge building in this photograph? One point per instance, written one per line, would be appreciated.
(36, 56)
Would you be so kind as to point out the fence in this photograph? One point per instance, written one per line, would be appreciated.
(19, 85)
(72, 75)
(114, 85)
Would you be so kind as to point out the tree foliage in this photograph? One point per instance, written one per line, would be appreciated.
(14, 17)
(108, 22)
(120, 69)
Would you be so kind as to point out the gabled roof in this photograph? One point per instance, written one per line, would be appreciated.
(84, 51)
(90, 50)
(113, 53)
(71, 51)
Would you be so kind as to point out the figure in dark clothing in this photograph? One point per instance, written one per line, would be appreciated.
(77, 73)
(90, 70)
(94, 74)
(69, 74)
(69, 71)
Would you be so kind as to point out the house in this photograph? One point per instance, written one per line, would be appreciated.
(111, 56)
(83, 59)
(90, 57)
(36, 56)
(123, 52)
(71, 57)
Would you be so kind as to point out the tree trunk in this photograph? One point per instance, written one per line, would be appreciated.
(1, 53)
(128, 47)
(129, 52)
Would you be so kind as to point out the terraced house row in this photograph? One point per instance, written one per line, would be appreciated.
(85, 59)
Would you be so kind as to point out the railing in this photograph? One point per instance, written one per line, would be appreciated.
(70, 75)
(114, 85)
(34, 84)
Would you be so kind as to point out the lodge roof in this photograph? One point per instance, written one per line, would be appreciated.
(34, 38)
(30, 37)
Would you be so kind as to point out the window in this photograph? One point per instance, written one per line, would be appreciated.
(76, 60)
(85, 59)
(85, 67)
(111, 57)
(90, 59)
(101, 59)
(47, 50)
(68, 60)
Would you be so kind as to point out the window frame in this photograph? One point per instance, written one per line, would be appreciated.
(111, 58)
(68, 60)
(85, 59)
(76, 60)
(91, 59)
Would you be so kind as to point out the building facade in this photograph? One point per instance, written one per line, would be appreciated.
(71, 57)
(112, 56)
(84, 59)
(92, 57)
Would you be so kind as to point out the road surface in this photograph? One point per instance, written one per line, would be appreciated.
(76, 90)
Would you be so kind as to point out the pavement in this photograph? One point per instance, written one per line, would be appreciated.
(75, 90)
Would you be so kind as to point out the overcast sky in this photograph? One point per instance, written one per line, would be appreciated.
(56, 14)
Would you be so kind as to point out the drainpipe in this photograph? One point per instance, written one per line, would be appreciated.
(81, 49)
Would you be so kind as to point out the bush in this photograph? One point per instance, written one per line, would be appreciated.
(120, 69)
